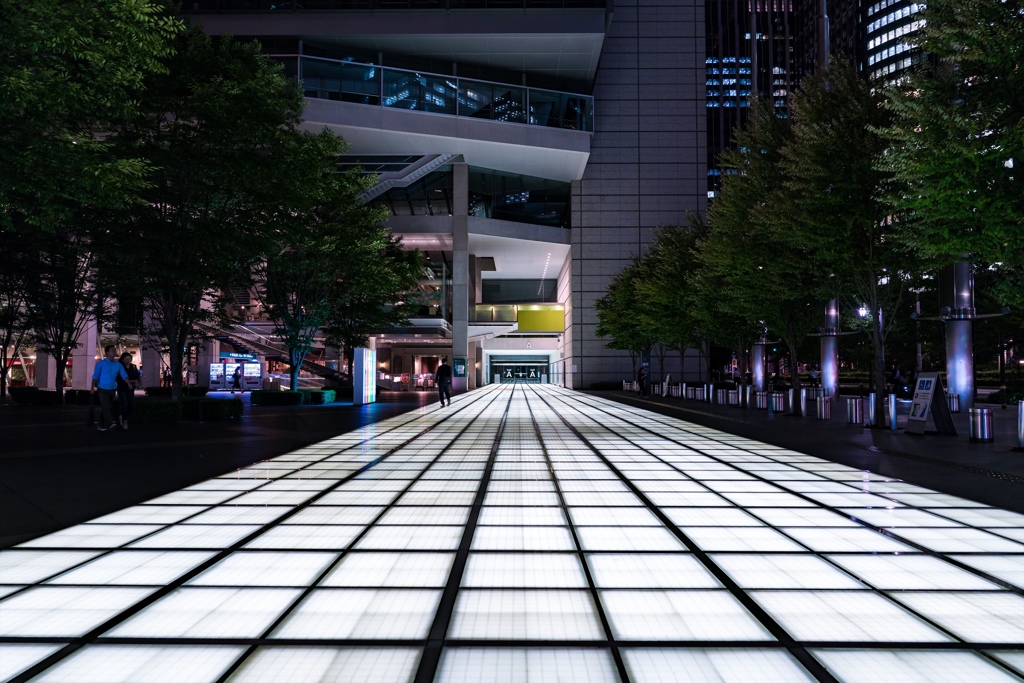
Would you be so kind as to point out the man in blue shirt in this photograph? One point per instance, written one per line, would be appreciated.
(104, 382)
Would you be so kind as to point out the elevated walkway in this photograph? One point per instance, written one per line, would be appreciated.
(534, 531)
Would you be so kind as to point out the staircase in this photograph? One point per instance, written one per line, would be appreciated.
(243, 338)
(408, 175)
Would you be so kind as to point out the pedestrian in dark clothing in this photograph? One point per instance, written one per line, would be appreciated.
(443, 379)
(104, 383)
(236, 380)
(126, 388)
(641, 381)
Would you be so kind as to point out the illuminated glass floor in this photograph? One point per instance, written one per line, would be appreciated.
(526, 533)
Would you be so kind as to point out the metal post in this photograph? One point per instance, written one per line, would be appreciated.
(892, 412)
(957, 291)
(872, 404)
(771, 404)
(830, 350)
(803, 402)
(1020, 424)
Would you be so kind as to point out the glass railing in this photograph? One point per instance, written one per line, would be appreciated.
(321, 5)
(330, 79)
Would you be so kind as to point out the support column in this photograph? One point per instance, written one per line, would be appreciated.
(830, 350)
(84, 357)
(958, 296)
(149, 348)
(46, 371)
(757, 364)
(460, 273)
(208, 353)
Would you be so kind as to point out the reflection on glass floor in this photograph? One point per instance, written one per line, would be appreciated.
(526, 533)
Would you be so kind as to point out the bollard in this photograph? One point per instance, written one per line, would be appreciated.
(747, 393)
(855, 411)
(791, 402)
(824, 407)
(872, 405)
(803, 402)
(981, 424)
(1020, 424)
(709, 393)
(892, 412)
(770, 404)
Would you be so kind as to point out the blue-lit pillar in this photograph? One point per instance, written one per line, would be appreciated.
(830, 350)
(460, 277)
(958, 297)
(757, 364)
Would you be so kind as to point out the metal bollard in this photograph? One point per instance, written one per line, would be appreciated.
(792, 401)
(747, 393)
(892, 412)
(824, 408)
(1020, 424)
(981, 424)
(709, 393)
(872, 404)
(803, 402)
(855, 411)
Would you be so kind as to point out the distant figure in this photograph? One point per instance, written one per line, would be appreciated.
(167, 377)
(443, 379)
(126, 388)
(813, 372)
(236, 380)
(641, 381)
(898, 379)
(104, 383)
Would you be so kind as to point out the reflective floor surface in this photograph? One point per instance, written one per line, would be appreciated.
(526, 533)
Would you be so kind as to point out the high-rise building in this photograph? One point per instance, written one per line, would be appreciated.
(529, 147)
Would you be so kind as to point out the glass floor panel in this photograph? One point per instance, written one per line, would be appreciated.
(526, 533)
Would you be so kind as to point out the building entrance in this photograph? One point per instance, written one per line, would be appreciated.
(519, 372)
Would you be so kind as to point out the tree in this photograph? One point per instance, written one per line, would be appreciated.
(221, 128)
(70, 71)
(679, 324)
(60, 296)
(834, 197)
(14, 329)
(370, 291)
(625, 315)
(758, 264)
(957, 140)
(333, 237)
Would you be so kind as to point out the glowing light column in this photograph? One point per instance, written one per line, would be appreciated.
(958, 298)
(830, 349)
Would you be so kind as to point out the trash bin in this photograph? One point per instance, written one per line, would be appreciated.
(855, 411)
(779, 401)
(720, 396)
(690, 391)
(824, 409)
(981, 424)
(698, 393)
(734, 397)
(761, 400)
(953, 400)
(675, 391)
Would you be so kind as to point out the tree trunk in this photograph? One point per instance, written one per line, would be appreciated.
(295, 357)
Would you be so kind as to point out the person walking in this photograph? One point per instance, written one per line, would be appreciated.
(641, 381)
(104, 383)
(236, 380)
(126, 388)
(443, 379)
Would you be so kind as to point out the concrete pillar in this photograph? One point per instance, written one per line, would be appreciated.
(830, 350)
(460, 272)
(46, 371)
(84, 357)
(209, 352)
(149, 348)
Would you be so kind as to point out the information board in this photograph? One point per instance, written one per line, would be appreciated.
(929, 411)
(459, 367)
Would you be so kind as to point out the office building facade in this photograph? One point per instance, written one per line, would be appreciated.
(529, 149)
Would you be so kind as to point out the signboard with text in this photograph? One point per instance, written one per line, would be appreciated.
(459, 367)
(929, 411)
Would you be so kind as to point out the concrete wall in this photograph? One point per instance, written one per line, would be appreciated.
(647, 164)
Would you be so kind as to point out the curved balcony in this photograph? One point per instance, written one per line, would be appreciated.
(373, 85)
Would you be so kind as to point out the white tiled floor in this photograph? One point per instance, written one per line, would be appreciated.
(627, 547)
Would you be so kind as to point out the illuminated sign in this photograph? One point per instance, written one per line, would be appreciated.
(459, 367)
(364, 376)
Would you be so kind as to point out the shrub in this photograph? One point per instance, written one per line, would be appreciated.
(275, 398)
(34, 396)
(77, 397)
(1012, 397)
(315, 397)
(157, 410)
(165, 392)
(210, 409)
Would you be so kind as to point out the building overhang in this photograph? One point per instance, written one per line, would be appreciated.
(539, 151)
